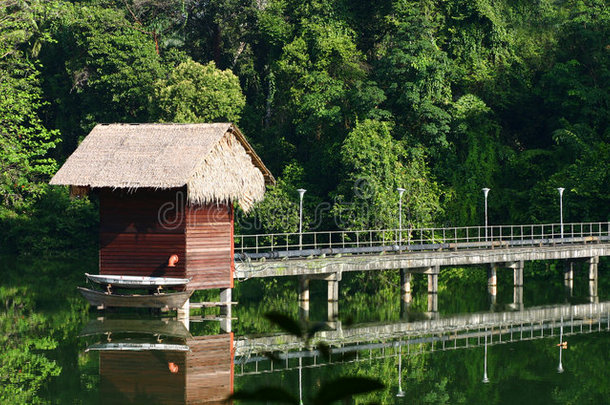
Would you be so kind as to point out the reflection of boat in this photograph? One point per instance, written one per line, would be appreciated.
(158, 300)
(150, 326)
(137, 347)
(136, 281)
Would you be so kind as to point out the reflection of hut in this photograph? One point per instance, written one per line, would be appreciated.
(164, 190)
(203, 375)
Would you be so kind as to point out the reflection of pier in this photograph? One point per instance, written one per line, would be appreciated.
(362, 343)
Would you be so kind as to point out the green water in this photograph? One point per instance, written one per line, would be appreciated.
(44, 360)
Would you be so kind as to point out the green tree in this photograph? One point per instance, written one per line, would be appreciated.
(416, 75)
(199, 93)
(24, 139)
(100, 68)
(374, 166)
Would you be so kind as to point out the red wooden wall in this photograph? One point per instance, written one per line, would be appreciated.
(209, 246)
(140, 230)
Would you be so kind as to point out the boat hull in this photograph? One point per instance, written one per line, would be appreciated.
(136, 281)
(171, 301)
(137, 347)
(136, 326)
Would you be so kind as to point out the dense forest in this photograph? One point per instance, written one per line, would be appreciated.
(347, 99)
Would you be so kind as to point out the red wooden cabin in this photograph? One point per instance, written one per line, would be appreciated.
(167, 190)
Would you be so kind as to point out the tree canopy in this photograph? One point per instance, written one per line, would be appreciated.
(440, 98)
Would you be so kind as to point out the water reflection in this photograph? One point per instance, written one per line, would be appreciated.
(159, 361)
(156, 361)
(371, 341)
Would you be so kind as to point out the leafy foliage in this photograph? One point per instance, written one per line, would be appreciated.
(199, 93)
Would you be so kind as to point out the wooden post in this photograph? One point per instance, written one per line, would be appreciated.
(225, 309)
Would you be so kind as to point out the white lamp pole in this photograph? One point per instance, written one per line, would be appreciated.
(485, 379)
(400, 392)
(560, 367)
(400, 193)
(301, 193)
(561, 190)
(485, 192)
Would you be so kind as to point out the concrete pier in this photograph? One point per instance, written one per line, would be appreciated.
(517, 272)
(405, 293)
(415, 261)
(568, 277)
(226, 309)
(593, 263)
(333, 286)
(433, 289)
(303, 298)
(518, 298)
(492, 283)
(405, 286)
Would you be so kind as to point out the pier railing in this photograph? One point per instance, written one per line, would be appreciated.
(418, 239)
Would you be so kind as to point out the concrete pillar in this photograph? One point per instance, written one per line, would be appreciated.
(333, 290)
(492, 282)
(405, 286)
(568, 277)
(225, 309)
(183, 313)
(304, 298)
(492, 275)
(433, 289)
(518, 298)
(333, 313)
(593, 262)
(518, 273)
(333, 296)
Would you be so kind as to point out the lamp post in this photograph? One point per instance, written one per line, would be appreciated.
(400, 392)
(485, 379)
(485, 192)
(301, 193)
(400, 193)
(561, 190)
(560, 366)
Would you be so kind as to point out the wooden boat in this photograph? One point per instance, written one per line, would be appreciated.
(129, 346)
(136, 281)
(158, 327)
(157, 300)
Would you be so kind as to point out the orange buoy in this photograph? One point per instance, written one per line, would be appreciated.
(173, 367)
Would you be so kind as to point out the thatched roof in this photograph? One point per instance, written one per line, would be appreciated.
(214, 161)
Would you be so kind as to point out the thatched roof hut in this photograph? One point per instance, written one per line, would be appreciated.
(214, 161)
